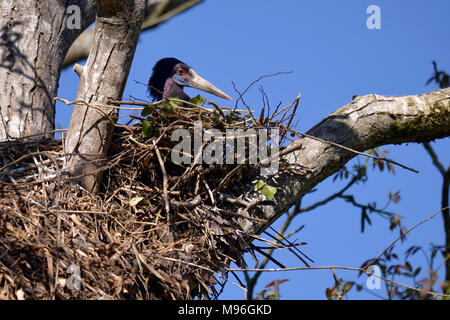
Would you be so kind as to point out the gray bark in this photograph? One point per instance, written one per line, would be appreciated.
(33, 43)
(103, 78)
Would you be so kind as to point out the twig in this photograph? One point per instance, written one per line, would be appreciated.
(402, 236)
(97, 107)
(96, 104)
(227, 177)
(39, 134)
(267, 256)
(337, 267)
(32, 154)
(211, 196)
(242, 215)
(352, 150)
(291, 248)
(296, 101)
(284, 246)
(165, 179)
(330, 198)
(337, 283)
(434, 158)
(257, 80)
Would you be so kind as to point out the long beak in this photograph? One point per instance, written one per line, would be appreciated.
(195, 81)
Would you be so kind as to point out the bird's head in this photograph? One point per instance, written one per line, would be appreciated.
(169, 77)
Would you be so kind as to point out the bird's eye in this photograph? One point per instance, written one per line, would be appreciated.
(181, 72)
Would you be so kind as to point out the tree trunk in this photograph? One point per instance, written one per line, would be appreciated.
(446, 218)
(33, 43)
(103, 78)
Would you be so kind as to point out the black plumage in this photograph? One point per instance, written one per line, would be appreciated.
(171, 75)
(162, 70)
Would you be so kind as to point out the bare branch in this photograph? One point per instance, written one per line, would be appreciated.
(434, 157)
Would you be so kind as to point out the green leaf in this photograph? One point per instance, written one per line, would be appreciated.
(170, 105)
(147, 129)
(347, 286)
(198, 100)
(269, 192)
(175, 104)
(146, 111)
(259, 185)
(263, 188)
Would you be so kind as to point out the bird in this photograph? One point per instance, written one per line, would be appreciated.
(171, 75)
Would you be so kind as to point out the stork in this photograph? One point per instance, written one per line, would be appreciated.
(171, 75)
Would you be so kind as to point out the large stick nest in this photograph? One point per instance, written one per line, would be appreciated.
(156, 230)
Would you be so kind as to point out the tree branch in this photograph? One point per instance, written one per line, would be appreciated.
(365, 123)
(157, 12)
(102, 79)
(444, 203)
(434, 158)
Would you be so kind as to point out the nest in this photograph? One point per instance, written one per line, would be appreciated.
(156, 230)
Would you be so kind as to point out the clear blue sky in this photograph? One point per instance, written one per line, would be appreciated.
(333, 56)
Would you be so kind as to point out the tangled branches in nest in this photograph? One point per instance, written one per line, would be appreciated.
(158, 229)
